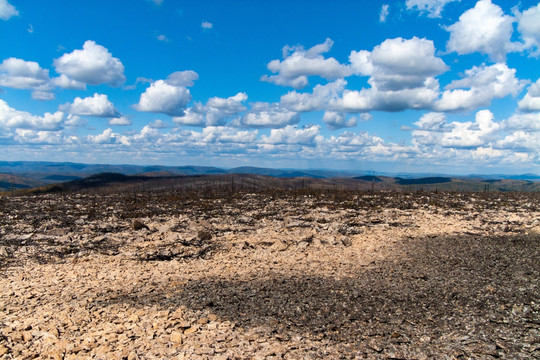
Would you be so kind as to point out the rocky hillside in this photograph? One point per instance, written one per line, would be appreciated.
(270, 275)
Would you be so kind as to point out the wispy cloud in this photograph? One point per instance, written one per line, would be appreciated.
(433, 8)
(385, 10)
(163, 38)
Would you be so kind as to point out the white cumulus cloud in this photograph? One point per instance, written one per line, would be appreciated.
(21, 74)
(350, 141)
(399, 63)
(292, 135)
(65, 82)
(531, 101)
(44, 94)
(298, 64)
(166, 97)
(218, 109)
(338, 120)
(319, 99)
(97, 105)
(215, 113)
(29, 136)
(159, 124)
(479, 87)
(434, 131)
(92, 65)
(529, 27)
(264, 115)
(398, 100)
(430, 129)
(7, 10)
(401, 74)
(484, 29)
(15, 119)
(223, 134)
(528, 122)
(120, 121)
(147, 134)
(521, 141)
(193, 116)
(75, 121)
(182, 78)
(471, 134)
(432, 121)
(106, 137)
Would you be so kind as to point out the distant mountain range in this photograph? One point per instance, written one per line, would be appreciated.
(51, 172)
(30, 174)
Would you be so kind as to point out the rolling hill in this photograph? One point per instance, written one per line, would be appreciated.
(67, 176)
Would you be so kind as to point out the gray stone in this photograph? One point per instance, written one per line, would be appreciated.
(204, 235)
(4, 251)
(138, 225)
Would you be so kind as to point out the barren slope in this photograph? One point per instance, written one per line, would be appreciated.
(291, 275)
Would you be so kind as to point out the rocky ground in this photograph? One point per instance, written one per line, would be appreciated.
(291, 275)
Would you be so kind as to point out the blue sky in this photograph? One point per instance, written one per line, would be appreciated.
(411, 85)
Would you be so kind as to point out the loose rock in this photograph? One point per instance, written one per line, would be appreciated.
(288, 275)
(138, 225)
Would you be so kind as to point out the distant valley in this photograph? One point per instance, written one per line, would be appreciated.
(21, 175)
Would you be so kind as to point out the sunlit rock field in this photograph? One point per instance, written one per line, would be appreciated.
(270, 275)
